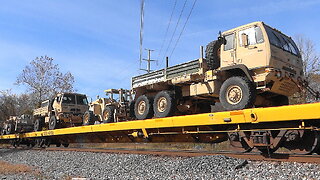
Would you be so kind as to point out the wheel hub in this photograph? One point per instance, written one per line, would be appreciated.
(86, 118)
(162, 104)
(105, 115)
(234, 94)
(141, 107)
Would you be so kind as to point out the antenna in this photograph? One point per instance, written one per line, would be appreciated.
(141, 29)
(149, 60)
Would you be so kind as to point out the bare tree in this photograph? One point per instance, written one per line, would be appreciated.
(44, 79)
(8, 103)
(311, 68)
(311, 60)
(15, 105)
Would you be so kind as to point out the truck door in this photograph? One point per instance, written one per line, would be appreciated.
(228, 53)
(252, 53)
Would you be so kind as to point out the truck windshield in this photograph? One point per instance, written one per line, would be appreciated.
(68, 99)
(281, 41)
(82, 100)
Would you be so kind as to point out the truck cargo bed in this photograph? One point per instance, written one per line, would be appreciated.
(166, 74)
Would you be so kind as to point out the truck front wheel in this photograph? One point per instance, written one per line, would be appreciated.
(164, 104)
(237, 93)
(88, 118)
(10, 128)
(53, 123)
(38, 124)
(108, 114)
(143, 107)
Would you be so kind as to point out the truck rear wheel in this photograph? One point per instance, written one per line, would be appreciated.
(143, 107)
(237, 93)
(88, 118)
(163, 104)
(38, 124)
(108, 114)
(53, 123)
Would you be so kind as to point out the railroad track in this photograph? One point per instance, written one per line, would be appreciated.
(255, 156)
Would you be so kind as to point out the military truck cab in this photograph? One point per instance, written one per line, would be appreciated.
(272, 60)
(65, 110)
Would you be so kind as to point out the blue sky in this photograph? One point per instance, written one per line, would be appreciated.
(98, 40)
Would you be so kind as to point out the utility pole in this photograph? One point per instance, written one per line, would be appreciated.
(149, 60)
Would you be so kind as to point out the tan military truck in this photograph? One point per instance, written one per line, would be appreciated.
(114, 108)
(65, 110)
(253, 65)
(17, 124)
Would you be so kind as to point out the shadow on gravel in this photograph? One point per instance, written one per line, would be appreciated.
(4, 152)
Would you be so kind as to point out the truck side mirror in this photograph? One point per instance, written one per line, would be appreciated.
(222, 40)
(244, 39)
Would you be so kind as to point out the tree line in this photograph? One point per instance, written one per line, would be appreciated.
(43, 79)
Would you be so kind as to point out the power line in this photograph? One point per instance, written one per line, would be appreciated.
(141, 29)
(184, 26)
(184, 5)
(149, 60)
(165, 36)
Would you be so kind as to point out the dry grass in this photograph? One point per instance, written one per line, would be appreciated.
(8, 168)
(5, 146)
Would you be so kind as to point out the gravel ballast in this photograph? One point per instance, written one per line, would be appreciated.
(68, 164)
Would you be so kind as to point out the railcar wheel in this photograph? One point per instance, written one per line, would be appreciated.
(271, 140)
(65, 145)
(303, 142)
(238, 143)
(143, 107)
(164, 104)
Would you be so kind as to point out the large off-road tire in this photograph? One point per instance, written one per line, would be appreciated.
(53, 123)
(212, 54)
(237, 93)
(108, 114)
(164, 104)
(143, 107)
(38, 125)
(88, 118)
(9, 128)
(131, 110)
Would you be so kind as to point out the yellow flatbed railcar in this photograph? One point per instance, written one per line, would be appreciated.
(294, 127)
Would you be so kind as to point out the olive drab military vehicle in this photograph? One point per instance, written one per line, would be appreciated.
(114, 108)
(253, 65)
(65, 110)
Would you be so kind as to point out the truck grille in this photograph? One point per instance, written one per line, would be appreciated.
(287, 87)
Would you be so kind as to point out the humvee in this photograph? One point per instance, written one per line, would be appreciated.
(253, 65)
(65, 110)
